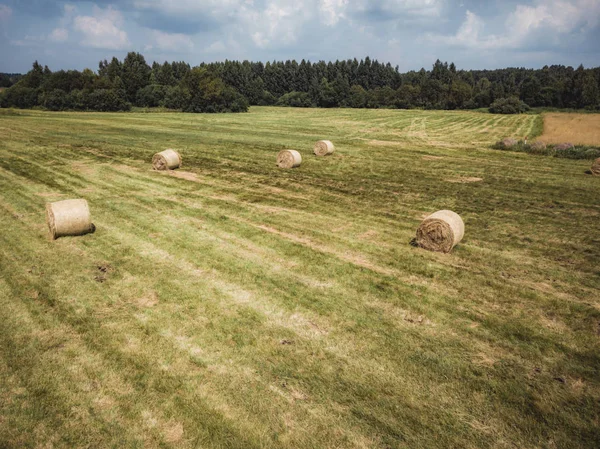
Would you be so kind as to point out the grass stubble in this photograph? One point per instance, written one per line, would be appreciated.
(233, 304)
(579, 129)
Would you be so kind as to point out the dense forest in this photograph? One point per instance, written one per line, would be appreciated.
(231, 86)
(8, 79)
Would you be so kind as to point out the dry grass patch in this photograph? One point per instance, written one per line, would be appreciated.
(84, 167)
(464, 180)
(188, 176)
(384, 143)
(580, 129)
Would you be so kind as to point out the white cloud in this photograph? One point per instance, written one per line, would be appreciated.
(69, 12)
(394, 8)
(561, 16)
(187, 8)
(69, 9)
(551, 19)
(172, 42)
(259, 39)
(332, 11)
(28, 41)
(470, 29)
(102, 30)
(468, 34)
(280, 23)
(59, 35)
(273, 24)
(268, 24)
(216, 47)
(5, 12)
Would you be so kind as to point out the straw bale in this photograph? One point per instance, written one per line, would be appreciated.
(323, 148)
(508, 142)
(564, 146)
(441, 231)
(538, 145)
(596, 167)
(289, 159)
(166, 160)
(69, 217)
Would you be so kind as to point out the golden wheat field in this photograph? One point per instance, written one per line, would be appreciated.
(579, 129)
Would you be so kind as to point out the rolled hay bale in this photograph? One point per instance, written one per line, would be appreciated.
(596, 167)
(289, 159)
(538, 145)
(69, 217)
(166, 160)
(323, 148)
(508, 142)
(563, 146)
(441, 231)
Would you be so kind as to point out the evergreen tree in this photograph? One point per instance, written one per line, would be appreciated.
(34, 78)
(135, 74)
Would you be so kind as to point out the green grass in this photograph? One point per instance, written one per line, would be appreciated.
(538, 127)
(251, 307)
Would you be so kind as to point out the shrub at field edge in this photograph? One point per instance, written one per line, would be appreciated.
(567, 151)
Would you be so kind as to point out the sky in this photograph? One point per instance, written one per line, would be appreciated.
(412, 34)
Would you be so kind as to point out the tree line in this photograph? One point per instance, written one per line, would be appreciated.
(8, 79)
(117, 85)
(231, 86)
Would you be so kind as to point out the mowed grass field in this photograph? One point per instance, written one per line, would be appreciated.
(231, 304)
(582, 129)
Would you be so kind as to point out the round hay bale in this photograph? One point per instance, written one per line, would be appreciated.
(537, 146)
(564, 146)
(69, 217)
(508, 142)
(166, 160)
(323, 148)
(289, 159)
(441, 231)
(596, 167)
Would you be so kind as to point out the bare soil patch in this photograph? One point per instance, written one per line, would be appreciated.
(103, 271)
